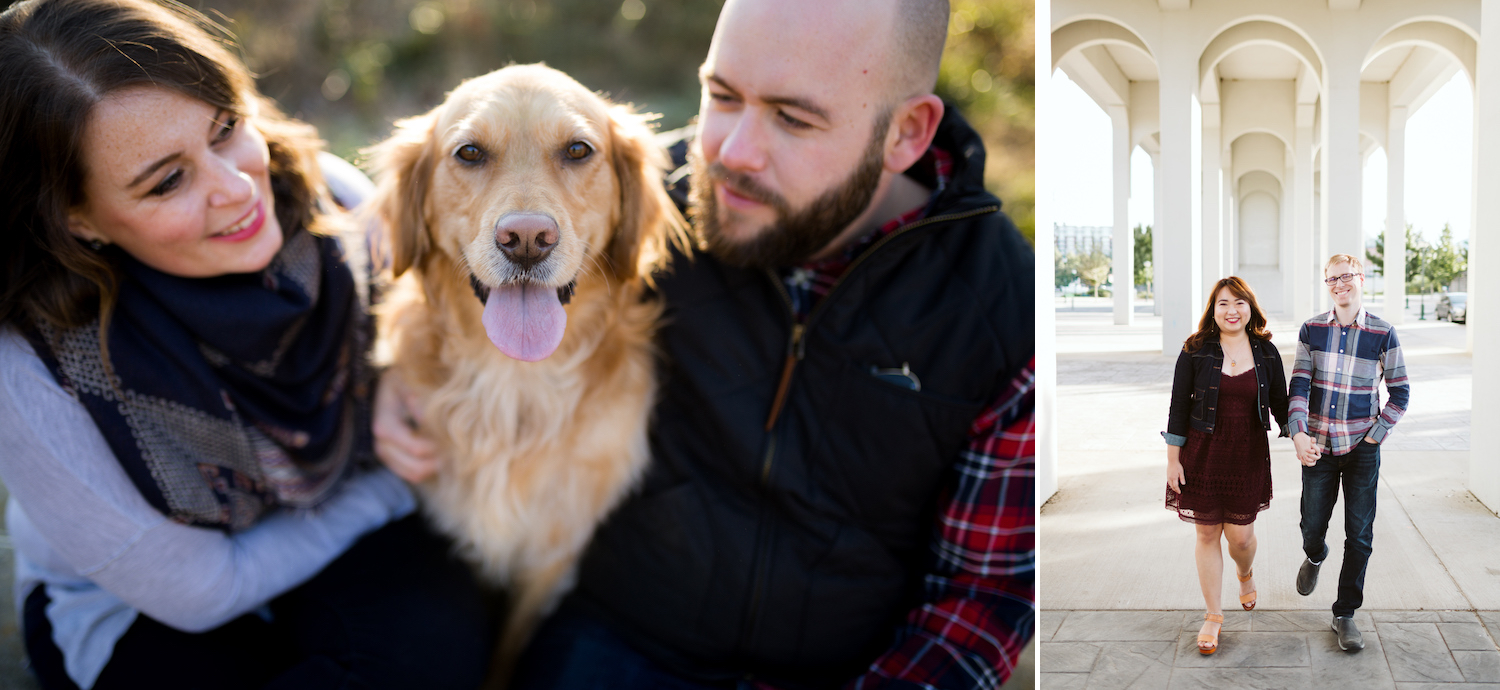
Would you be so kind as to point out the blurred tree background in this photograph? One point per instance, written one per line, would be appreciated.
(352, 67)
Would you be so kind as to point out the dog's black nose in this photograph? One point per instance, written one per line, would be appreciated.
(526, 238)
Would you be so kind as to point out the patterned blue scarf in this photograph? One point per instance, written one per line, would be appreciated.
(224, 397)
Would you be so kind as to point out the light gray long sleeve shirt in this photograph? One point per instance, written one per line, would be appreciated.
(81, 529)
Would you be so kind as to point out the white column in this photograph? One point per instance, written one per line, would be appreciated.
(1287, 231)
(1123, 243)
(1302, 234)
(1181, 277)
(1231, 221)
(1213, 230)
(1484, 264)
(1046, 311)
(1395, 217)
(1156, 244)
(1341, 161)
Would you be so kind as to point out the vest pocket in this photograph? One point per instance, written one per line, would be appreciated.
(883, 455)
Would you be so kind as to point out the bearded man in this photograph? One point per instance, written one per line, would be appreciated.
(841, 489)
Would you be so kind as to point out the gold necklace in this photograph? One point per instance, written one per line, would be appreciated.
(1233, 363)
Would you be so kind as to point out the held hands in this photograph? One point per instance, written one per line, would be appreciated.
(1307, 451)
(397, 424)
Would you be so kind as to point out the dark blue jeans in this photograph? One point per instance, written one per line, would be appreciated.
(575, 651)
(1359, 472)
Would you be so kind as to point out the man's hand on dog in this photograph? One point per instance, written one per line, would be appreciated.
(397, 424)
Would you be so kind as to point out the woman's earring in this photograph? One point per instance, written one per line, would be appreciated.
(96, 245)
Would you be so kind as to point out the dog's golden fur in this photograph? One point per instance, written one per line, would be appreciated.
(534, 453)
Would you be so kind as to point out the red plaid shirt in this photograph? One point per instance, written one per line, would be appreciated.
(979, 596)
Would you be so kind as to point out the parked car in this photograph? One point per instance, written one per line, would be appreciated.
(1454, 307)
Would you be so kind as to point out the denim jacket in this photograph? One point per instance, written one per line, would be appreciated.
(1195, 389)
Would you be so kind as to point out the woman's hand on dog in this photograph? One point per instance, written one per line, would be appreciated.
(397, 427)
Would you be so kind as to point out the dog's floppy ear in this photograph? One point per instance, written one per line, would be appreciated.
(403, 170)
(648, 219)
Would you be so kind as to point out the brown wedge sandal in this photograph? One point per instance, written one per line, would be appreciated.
(1248, 600)
(1213, 618)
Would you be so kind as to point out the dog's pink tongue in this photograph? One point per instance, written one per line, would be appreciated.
(525, 321)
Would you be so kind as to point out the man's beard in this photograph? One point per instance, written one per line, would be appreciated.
(795, 235)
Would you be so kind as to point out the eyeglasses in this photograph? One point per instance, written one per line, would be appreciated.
(1346, 279)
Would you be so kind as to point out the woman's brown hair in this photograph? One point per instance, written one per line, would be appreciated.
(60, 58)
(1208, 328)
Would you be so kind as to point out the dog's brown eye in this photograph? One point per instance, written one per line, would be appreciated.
(469, 153)
(579, 150)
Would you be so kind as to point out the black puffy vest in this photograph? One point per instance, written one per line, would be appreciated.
(793, 554)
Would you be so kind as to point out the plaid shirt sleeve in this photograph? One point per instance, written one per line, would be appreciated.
(1300, 387)
(1398, 390)
(979, 601)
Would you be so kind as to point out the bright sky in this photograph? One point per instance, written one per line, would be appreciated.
(1439, 164)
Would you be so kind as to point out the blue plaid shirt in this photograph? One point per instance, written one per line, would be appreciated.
(1335, 396)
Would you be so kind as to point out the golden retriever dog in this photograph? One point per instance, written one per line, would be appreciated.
(525, 215)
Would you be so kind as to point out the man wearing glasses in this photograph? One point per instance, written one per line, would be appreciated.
(1337, 425)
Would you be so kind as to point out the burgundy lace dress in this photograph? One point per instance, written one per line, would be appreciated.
(1228, 472)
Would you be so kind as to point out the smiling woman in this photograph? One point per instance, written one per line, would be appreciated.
(1229, 384)
(184, 394)
(201, 210)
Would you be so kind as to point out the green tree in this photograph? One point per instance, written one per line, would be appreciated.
(1418, 255)
(1142, 254)
(1447, 260)
(1414, 253)
(1063, 274)
(1092, 267)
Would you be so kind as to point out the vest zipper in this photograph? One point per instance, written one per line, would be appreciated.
(796, 349)
(758, 555)
(794, 353)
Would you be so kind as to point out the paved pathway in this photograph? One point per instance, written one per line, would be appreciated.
(1119, 592)
(1151, 650)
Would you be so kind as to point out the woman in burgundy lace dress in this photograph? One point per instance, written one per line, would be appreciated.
(1228, 385)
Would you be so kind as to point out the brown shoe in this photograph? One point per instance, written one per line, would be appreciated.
(1247, 600)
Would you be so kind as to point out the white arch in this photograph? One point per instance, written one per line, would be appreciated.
(1261, 130)
(1259, 152)
(1084, 33)
(1258, 106)
(1258, 182)
(1258, 31)
(1437, 33)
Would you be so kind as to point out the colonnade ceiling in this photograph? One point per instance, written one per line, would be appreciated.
(1258, 105)
(1104, 58)
(1258, 181)
(1405, 67)
(1255, 49)
(1404, 51)
(1258, 152)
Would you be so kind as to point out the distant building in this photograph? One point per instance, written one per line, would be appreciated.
(1082, 239)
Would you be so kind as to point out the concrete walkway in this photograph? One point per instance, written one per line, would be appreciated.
(1149, 650)
(1117, 568)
